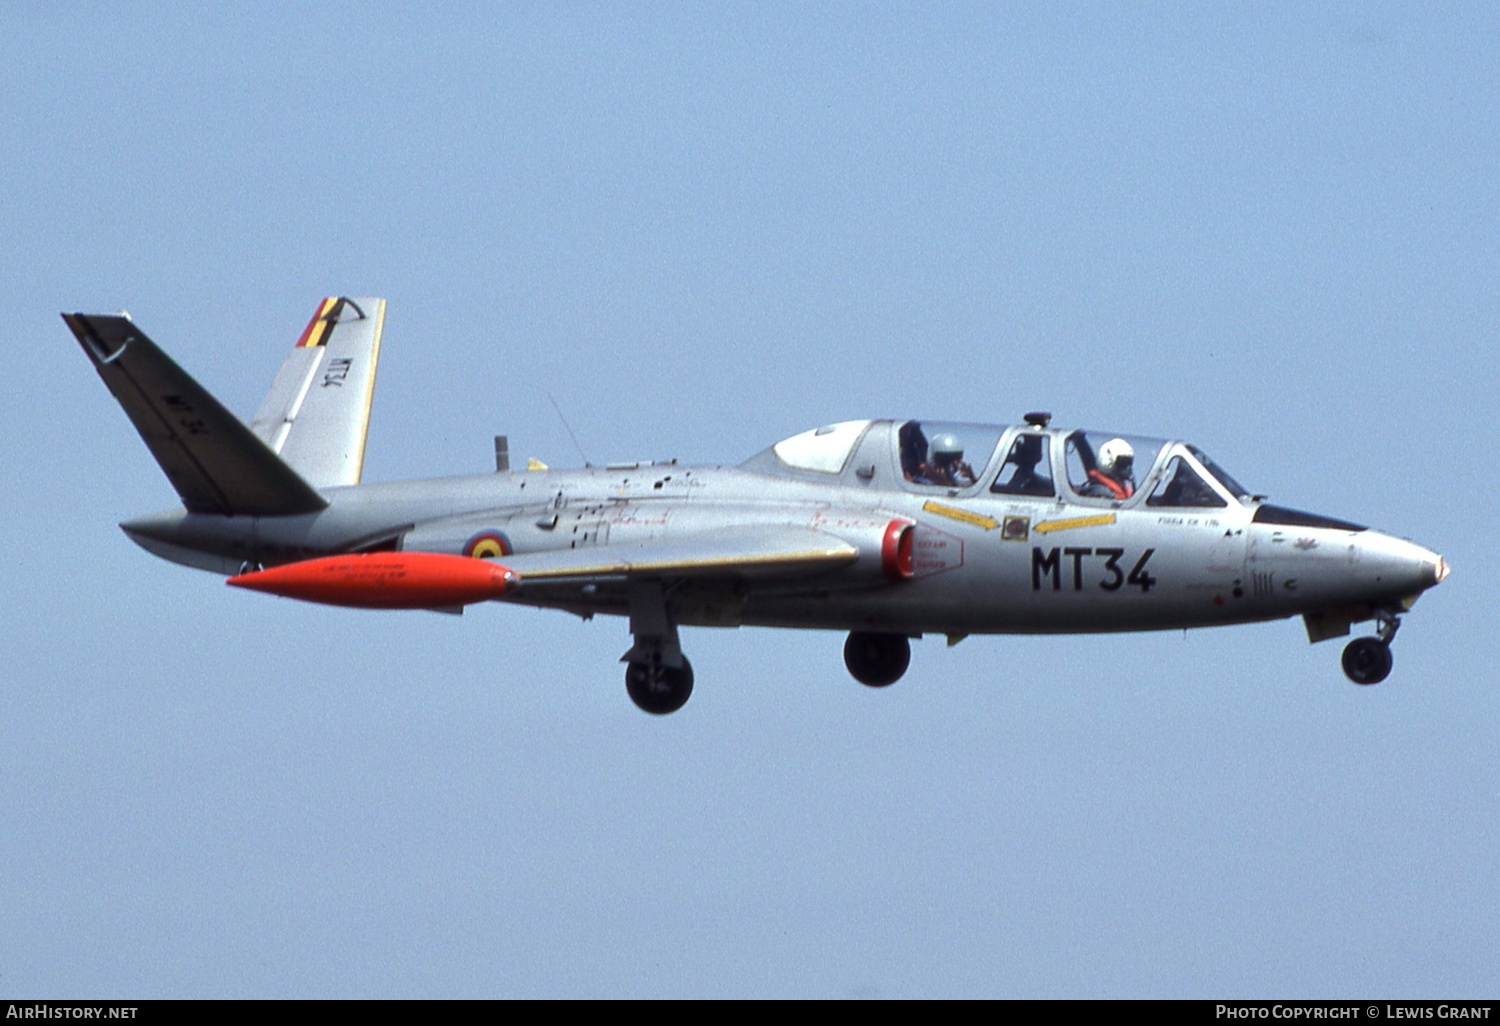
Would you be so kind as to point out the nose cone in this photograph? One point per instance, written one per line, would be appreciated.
(1405, 568)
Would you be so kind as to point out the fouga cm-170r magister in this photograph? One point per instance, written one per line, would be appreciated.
(887, 529)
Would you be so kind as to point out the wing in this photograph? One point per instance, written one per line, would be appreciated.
(721, 562)
(739, 553)
(706, 578)
(317, 414)
(213, 460)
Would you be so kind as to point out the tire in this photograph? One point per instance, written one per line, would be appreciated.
(877, 660)
(659, 690)
(1367, 660)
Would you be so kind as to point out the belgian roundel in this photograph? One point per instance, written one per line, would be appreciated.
(488, 545)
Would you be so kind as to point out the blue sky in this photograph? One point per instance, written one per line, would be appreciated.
(1273, 230)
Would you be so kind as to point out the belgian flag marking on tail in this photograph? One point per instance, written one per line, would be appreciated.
(323, 319)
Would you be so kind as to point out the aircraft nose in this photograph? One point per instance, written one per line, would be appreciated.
(1434, 568)
(1405, 566)
(1441, 570)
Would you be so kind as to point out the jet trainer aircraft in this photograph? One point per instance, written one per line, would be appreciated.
(887, 529)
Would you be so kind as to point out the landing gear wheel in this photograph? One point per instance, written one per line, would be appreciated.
(659, 689)
(877, 659)
(1367, 660)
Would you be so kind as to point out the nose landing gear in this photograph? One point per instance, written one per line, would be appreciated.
(1368, 660)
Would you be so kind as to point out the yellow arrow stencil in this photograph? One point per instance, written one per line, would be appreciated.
(1048, 526)
(961, 515)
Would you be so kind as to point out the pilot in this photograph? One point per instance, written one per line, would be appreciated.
(1025, 455)
(947, 466)
(1112, 476)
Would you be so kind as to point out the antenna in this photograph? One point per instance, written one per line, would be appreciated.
(569, 429)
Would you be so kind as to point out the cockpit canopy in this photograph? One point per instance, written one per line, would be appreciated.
(825, 449)
(956, 458)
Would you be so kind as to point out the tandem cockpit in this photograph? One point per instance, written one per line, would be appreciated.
(1029, 461)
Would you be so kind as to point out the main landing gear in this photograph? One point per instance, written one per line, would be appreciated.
(659, 689)
(877, 659)
(658, 677)
(1368, 660)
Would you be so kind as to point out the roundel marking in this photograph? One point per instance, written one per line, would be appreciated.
(488, 545)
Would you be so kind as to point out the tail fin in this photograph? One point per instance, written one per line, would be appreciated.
(213, 460)
(317, 413)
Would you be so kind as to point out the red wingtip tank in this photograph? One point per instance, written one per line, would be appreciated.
(384, 580)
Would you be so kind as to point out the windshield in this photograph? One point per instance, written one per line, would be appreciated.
(1181, 486)
(1231, 486)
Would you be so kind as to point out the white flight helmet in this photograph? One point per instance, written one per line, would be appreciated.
(947, 446)
(1116, 457)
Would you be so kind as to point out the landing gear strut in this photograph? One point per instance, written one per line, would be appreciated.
(658, 677)
(1368, 660)
(877, 659)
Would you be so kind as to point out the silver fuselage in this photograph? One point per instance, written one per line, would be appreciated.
(983, 562)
